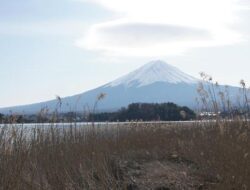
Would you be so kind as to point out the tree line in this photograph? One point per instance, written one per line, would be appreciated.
(147, 112)
(134, 112)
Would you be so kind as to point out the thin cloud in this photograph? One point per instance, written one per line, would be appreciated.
(140, 37)
(161, 27)
(140, 34)
(150, 39)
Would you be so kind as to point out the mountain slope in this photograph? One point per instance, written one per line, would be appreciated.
(154, 82)
(155, 71)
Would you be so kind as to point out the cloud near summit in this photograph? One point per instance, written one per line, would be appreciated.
(163, 27)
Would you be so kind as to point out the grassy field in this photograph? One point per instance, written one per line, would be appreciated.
(127, 156)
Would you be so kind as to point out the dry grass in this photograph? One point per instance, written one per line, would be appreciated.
(127, 156)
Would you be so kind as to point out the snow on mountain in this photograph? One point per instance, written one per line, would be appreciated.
(154, 71)
(155, 82)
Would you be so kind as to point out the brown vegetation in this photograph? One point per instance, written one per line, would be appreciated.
(213, 155)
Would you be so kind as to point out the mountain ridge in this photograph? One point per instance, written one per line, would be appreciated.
(154, 82)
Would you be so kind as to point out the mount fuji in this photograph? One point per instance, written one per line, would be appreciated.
(155, 82)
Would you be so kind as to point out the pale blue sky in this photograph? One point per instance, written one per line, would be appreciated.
(64, 47)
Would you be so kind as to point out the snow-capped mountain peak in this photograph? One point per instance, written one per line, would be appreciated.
(154, 71)
(154, 82)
